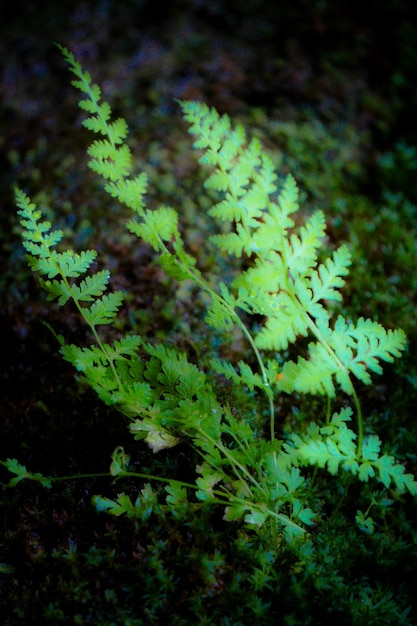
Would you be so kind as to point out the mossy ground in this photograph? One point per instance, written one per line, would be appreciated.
(334, 103)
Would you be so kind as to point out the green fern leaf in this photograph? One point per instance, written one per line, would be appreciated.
(209, 126)
(329, 276)
(391, 471)
(100, 112)
(92, 286)
(122, 506)
(104, 309)
(37, 235)
(65, 264)
(21, 473)
(110, 162)
(157, 227)
(85, 358)
(242, 172)
(142, 508)
(226, 369)
(157, 437)
(93, 91)
(56, 289)
(300, 252)
(284, 327)
(234, 243)
(347, 349)
(358, 347)
(328, 447)
(127, 346)
(219, 316)
(247, 376)
(371, 448)
(129, 191)
(313, 376)
(288, 202)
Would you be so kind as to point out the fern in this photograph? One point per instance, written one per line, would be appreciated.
(333, 447)
(110, 157)
(168, 399)
(287, 283)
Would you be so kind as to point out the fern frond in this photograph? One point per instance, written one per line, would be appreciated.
(56, 290)
(84, 358)
(284, 325)
(104, 309)
(130, 191)
(286, 283)
(158, 226)
(87, 357)
(126, 346)
(309, 376)
(247, 376)
(359, 346)
(97, 369)
(221, 311)
(218, 316)
(38, 238)
(92, 105)
(92, 286)
(389, 472)
(264, 280)
(300, 251)
(333, 446)
(209, 126)
(111, 162)
(176, 372)
(110, 157)
(319, 285)
(287, 203)
(116, 131)
(67, 265)
(328, 277)
(330, 446)
(344, 350)
(21, 473)
(234, 243)
(242, 172)
(100, 112)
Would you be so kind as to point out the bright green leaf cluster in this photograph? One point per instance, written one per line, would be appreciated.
(286, 282)
(169, 399)
(332, 446)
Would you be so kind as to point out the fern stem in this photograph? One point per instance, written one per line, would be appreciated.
(92, 328)
(124, 474)
(251, 341)
(263, 373)
(233, 462)
(360, 423)
(353, 393)
(204, 285)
